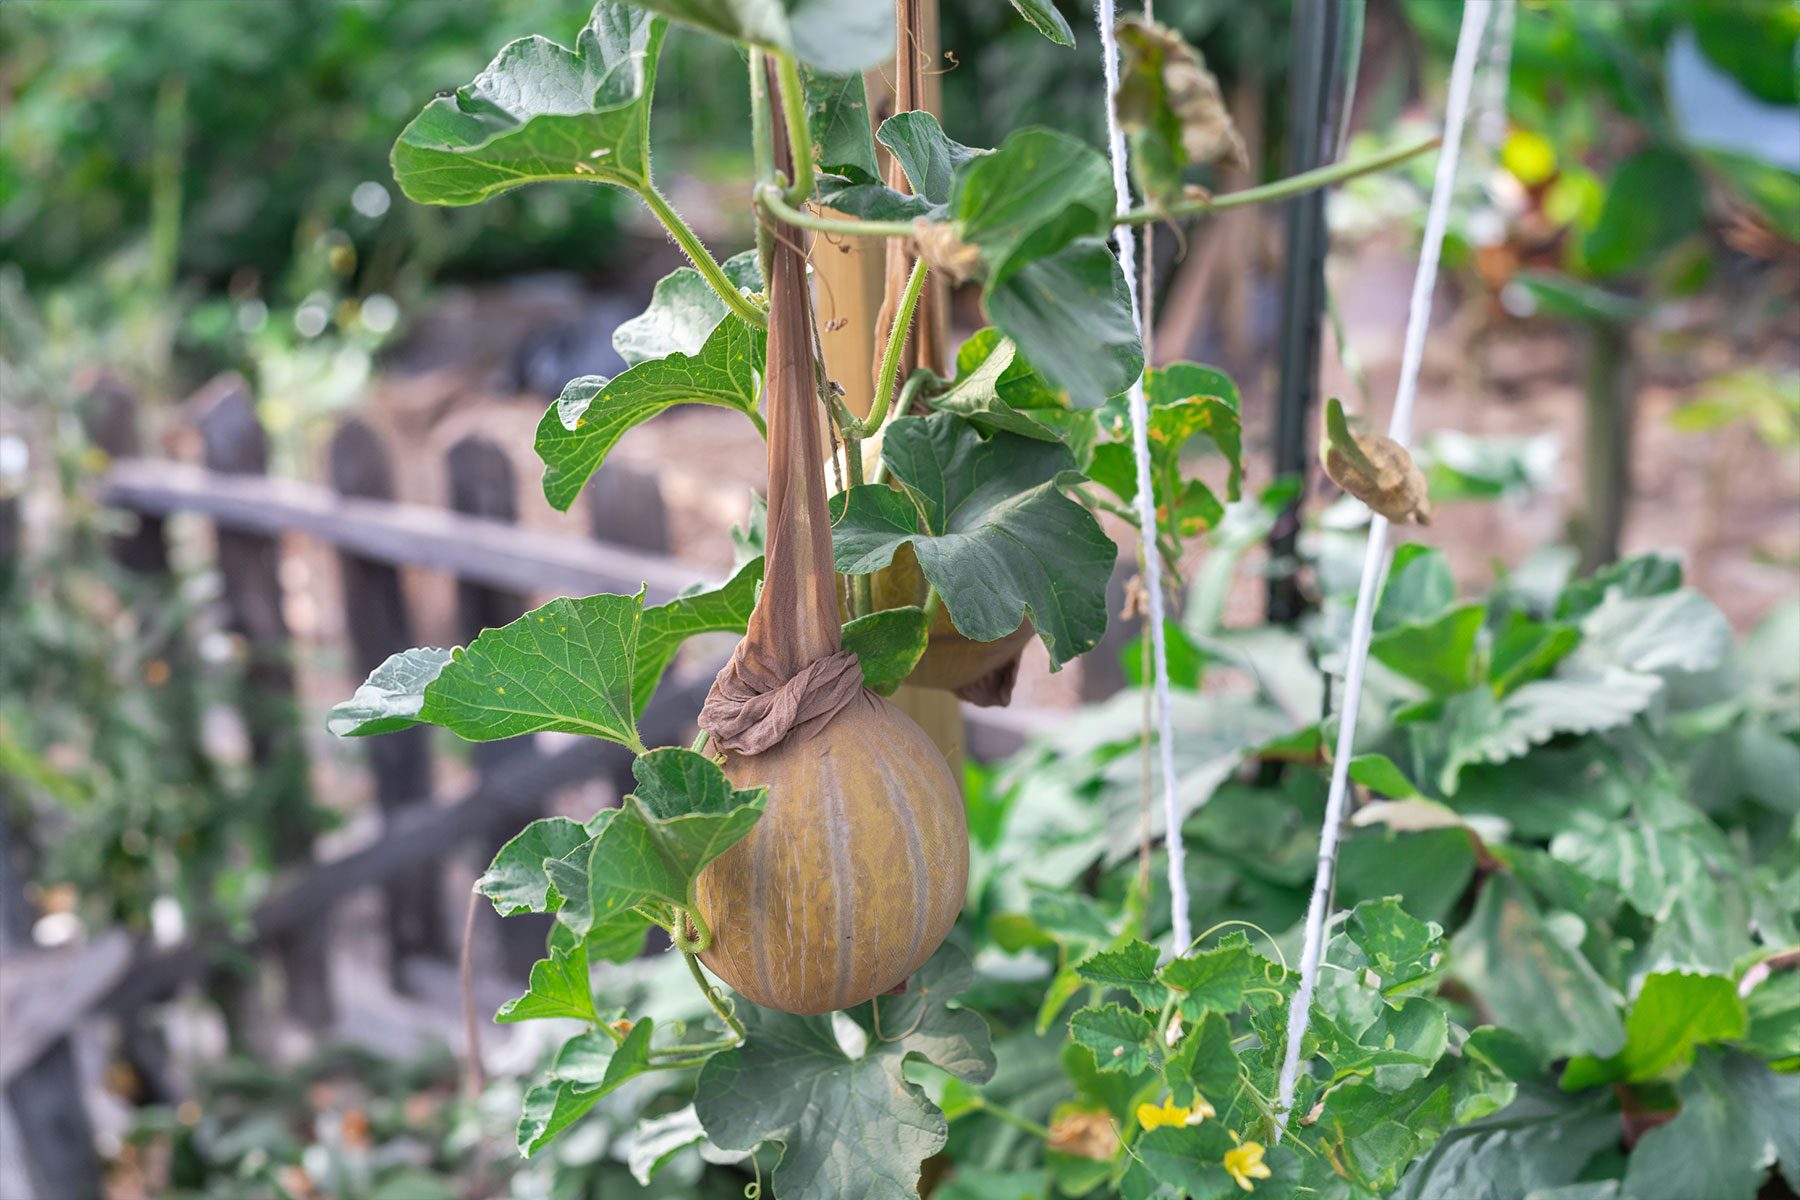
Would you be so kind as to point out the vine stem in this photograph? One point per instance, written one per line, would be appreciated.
(1281, 189)
(896, 346)
(793, 107)
(862, 587)
(714, 999)
(1016, 1120)
(703, 261)
(762, 151)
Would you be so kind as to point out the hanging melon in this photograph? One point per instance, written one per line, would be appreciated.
(858, 867)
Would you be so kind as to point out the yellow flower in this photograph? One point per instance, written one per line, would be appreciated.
(1150, 1116)
(1244, 1163)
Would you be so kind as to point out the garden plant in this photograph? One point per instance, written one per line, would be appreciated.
(1567, 964)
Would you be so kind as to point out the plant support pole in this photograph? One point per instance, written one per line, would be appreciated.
(1146, 500)
(1462, 74)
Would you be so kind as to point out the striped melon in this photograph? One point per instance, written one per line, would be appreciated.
(854, 874)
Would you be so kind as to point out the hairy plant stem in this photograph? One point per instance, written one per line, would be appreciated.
(932, 601)
(703, 261)
(862, 587)
(889, 373)
(713, 998)
(700, 741)
(1280, 189)
(762, 152)
(793, 107)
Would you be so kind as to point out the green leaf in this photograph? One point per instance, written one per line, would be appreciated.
(838, 37)
(1774, 192)
(1000, 543)
(1539, 1143)
(1679, 630)
(580, 429)
(391, 696)
(1736, 1120)
(558, 988)
(1437, 654)
(589, 1066)
(1375, 1135)
(997, 391)
(541, 112)
(848, 1126)
(1378, 773)
(929, 158)
(1185, 400)
(724, 609)
(684, 814)
(1642, 575)
(1672, 1015)
(684, 312)
(1189, 1158)
(516, 880)
(1419, 588)
(1038, 191)
(1214, 980)
(566, 667)
(656, 1140)
(1132, 968)
(1633, 229)
(837, 117)
(1204, 1063)
(1533, 977)
(1478, 728)
(888, 645)
(1528, 650)
(1070, 316)
(1042, 16)
(1118, 1038)
(1405, 952)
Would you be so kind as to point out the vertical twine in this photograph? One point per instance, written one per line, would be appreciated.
(1146, 503)
(1462, 74)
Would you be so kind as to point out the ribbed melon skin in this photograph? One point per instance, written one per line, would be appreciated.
(853, 876)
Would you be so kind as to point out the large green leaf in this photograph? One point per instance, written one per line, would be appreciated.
(589, 1066)
(1479, 728)
(722, 609)
(1736, 1120)
(847, 1125)
(566, 667)
(541, 112)
(683, 313)
(1532, 976)
(684, 814)
(1653, 200)
(580, 429)
(835, 36)
(1439, 654)
(1672, 1014)
(929, 157)
(990, 529)
(1037, 192)
(1540, 1142)
(1070, 316)
(1419, 587)
(1188, 1159)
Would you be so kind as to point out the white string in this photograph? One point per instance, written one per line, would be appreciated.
(1146, 502)
(1462, 74)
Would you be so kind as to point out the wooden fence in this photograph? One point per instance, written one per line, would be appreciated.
(46, 996)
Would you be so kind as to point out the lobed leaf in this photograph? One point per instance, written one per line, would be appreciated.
(999, 541)
(541, 112)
